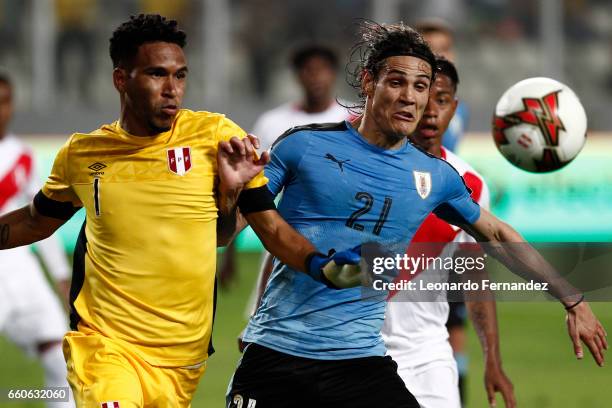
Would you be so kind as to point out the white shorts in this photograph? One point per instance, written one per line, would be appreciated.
(434, 385)
(30, 312)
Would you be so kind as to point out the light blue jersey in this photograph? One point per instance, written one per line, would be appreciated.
(340, 191)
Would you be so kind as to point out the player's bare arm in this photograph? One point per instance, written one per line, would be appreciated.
(280, 239)
(483, 315)
(26, 226)
(528, 263)
(229, 226)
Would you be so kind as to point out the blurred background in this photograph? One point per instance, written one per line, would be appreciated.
(56, 52)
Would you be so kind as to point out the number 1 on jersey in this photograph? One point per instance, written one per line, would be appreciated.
(96, 193)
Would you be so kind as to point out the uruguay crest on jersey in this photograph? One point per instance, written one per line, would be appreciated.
(422, 182)
(179, 160)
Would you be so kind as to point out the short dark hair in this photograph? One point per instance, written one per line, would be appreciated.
(142, 29)
(6, 79)
(433, 25)
(379, 42)
(301, 55)
(447, 68)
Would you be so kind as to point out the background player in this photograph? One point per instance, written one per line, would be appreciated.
(440, 36)
(30, 313)
(414, 332)
(143, 297)
(311, 345)
(315, 67)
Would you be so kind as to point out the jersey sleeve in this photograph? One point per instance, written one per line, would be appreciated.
(457, 206)
(58, 186)
(285, 157)
(228, 129)
(480, 194)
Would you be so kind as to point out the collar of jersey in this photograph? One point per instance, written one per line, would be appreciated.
(143, 140)
(362, 140)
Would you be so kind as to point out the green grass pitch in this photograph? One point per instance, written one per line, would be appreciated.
(536, 352)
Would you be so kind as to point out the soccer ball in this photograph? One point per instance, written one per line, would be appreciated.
(539, 125)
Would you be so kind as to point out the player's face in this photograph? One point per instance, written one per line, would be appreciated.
(438, 113)
(441, 43)
(396, 100)
(6, 107)
(155, 85)
(317, 77)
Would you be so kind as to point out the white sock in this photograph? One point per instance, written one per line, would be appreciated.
(54, 365)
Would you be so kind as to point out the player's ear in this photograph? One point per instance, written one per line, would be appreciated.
(120, 76)
(367, 83)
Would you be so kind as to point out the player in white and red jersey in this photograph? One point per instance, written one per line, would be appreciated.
(315, 67)
(415, 332)
(31, 315)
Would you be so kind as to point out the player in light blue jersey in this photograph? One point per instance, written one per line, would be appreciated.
(312, 344)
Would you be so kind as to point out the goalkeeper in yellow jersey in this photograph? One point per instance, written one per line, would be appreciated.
(152, 184)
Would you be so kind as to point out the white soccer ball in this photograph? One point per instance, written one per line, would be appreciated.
(539, 125)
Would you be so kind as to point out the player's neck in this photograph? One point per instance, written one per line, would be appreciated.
(135, 126)
(370, 132)
(309, 105)
(435, 149)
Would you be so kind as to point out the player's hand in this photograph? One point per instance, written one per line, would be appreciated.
(582, 325)
(339, 270)
(497, 381)
(238, 163)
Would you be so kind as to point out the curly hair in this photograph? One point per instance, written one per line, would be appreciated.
(142, 29)
(377, 43)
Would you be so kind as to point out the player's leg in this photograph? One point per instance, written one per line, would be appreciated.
(164, 387)
(269, 379)
(457, 338)
(363, 383)
(37, 322)
(100, 371)
(433, 385)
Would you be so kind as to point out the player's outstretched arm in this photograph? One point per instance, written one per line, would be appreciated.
(526, 262)
(483, 315)
(26, 226)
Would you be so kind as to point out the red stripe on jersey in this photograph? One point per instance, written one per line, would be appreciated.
(115, 404)
(10, 185)
(172, 160)
(186, 158)
(474, 183)
(104, 405)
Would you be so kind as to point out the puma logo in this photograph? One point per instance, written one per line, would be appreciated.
(338, 162)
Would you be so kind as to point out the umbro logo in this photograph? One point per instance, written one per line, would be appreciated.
(97, 166)
(340, 163)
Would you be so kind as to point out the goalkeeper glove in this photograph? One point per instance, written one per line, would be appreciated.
(339, 270)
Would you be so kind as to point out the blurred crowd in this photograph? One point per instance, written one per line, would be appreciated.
(498, 43)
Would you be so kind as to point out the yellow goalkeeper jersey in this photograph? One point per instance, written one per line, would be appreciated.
(149, 268)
